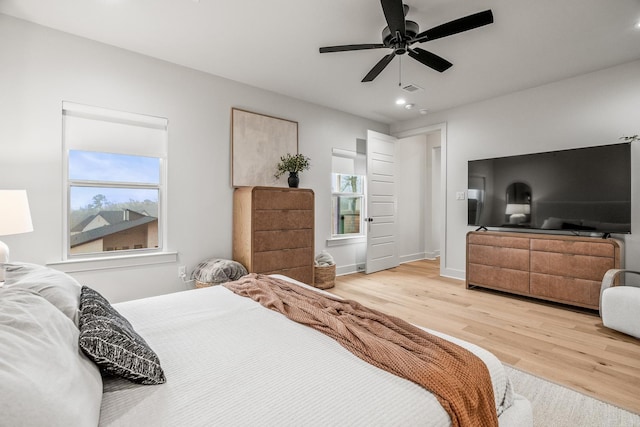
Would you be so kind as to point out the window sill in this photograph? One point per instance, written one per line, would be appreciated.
(92, 264)
(350, 240)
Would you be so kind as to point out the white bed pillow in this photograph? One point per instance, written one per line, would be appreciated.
(44, 378)
(60, 289)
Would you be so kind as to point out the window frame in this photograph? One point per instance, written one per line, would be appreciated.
(335, 200)
(160, 153)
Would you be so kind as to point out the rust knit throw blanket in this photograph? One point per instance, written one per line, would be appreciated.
(459, 379)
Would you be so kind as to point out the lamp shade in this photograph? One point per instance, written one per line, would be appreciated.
(15, 217)
(513, 208)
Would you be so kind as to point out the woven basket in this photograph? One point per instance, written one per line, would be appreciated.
(324, 277)
(200, 284)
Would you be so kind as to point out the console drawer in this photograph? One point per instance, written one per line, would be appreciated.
(602, 249)
(516, 259)
(498, 241)
(566, 289)
(498, 278)
(569, 265)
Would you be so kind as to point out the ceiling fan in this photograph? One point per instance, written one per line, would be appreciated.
(400, 34)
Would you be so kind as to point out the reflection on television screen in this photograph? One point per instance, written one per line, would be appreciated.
(579, 190)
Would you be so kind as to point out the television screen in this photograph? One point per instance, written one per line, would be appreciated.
(578, 190)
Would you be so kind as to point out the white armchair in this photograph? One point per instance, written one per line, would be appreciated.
(620, 303)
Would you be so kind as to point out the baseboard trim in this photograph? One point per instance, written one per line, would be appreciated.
(453, 274)
(349, 269)
(359, 268)
(413, 257)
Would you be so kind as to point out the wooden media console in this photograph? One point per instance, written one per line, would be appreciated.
(560, 268)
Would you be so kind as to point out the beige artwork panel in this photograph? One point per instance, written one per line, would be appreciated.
(257, 143)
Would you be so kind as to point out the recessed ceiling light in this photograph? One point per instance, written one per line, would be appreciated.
(400, 101)
(637, 26)
(409, 106)
(423, 111)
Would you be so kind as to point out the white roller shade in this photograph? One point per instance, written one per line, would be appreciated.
(342, 165)
(99, 129)
(348, 162)
(343, 161)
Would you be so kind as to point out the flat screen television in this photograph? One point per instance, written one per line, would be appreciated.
(583, 190)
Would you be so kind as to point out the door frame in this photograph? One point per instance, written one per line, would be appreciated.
(442, 128)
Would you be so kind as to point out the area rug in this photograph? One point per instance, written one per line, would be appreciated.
(558, 406)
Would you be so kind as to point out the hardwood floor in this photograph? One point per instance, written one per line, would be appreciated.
(563, 345)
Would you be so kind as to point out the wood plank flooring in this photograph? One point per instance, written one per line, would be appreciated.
(563, 345)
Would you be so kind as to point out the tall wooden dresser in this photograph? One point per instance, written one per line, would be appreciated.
(273, 231)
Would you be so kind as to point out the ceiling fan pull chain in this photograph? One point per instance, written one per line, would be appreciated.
(400, 71)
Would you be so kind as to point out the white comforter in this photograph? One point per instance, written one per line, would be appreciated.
(229, 361)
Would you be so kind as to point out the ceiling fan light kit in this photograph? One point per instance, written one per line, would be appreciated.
(401, 34)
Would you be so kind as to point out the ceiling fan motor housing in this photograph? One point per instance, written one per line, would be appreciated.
(400, 46)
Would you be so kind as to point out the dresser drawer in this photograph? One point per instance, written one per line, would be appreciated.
(282, 239)
(499, 241)
(595, 248)
(498, 278)
(282, 220)
(282, 199)
(278, 260)
(516, 259)
(303, 274)
(566, 289)
(569, 265)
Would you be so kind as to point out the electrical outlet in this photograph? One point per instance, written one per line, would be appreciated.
(182, 271)
(460, 195)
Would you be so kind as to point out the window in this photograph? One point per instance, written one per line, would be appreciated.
(115, 181)
(347, 202)
(348, 193)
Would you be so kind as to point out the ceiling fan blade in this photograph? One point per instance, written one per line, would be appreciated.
(394, 14)
(456, 26)
(377, 69)
(348, 47)
(429, 59)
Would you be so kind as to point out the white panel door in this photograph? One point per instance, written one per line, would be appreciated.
(382, 247)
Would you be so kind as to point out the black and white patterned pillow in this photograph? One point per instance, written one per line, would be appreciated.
(108, 339)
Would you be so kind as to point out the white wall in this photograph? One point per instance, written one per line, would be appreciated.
(591, 109)
(434, 202)
(39, 68)
(411, 188)
(418, 189)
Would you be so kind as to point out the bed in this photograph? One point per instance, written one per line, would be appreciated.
(226, 359)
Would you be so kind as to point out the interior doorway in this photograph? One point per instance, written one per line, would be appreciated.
(432, 194)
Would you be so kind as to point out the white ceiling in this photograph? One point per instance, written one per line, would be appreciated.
(273, 44)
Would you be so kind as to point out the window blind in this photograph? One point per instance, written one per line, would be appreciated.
(99, 129)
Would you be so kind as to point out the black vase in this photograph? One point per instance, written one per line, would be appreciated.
(293, 180)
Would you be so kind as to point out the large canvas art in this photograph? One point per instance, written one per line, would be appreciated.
(257, 142)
